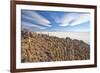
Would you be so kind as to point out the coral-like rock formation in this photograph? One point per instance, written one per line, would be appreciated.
(44, 48)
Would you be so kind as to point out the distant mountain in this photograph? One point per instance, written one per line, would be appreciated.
(36, 47)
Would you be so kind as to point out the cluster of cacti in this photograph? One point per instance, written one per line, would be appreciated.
(44, 48)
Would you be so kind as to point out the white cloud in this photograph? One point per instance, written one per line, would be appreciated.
(81, 19)
(56, 17)
(67, 18)
(64, 24)
(74, 19)
(32, 25)
(38, 18)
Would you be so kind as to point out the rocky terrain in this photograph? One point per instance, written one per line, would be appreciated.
(37, 47)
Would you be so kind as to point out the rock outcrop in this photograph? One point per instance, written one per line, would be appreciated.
(44, 48)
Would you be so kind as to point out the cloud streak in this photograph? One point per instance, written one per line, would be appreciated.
(32, 25)
(72, 19)
(55, 21)
(81, 19)
(67, 18)
(37, 18)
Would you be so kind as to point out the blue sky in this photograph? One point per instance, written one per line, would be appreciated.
(55, 21)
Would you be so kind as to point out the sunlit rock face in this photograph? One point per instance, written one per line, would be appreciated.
(39, 47)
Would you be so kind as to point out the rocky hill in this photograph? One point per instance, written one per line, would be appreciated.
(44, 48)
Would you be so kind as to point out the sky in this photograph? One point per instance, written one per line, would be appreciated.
(55, 21)
(72, 35)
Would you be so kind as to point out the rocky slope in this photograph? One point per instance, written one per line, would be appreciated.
(43, 48)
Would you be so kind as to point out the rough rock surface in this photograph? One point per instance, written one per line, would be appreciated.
(43, 48)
